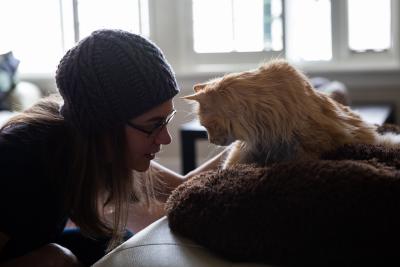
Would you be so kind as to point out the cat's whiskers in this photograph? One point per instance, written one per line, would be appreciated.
(188, 114)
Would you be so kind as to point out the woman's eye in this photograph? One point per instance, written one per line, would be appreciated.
(151, 128)
(158, 124)
(155, 126)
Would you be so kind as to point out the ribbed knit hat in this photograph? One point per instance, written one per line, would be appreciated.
(111, 77)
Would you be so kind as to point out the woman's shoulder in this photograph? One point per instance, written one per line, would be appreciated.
(20, 154)
(39, 122)
(26, 134)
(27, 152)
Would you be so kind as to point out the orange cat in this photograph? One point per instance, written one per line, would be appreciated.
(274, 114)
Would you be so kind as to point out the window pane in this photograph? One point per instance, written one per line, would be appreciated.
(31, 29)
(273, 26)
(212, 26)
(130, 15)
(237, 25)
(369, 25)
(248, 32)
(309, 31)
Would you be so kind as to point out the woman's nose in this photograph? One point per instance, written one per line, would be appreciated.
(163, 137)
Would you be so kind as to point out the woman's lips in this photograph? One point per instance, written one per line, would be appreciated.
(150, 156)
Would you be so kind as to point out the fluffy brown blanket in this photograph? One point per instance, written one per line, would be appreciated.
(341, 210)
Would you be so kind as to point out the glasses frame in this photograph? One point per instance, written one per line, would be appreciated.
(157, 128)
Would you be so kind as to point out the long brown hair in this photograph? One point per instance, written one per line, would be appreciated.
(90, 174)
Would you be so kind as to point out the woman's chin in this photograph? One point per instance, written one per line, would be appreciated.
(142, 166)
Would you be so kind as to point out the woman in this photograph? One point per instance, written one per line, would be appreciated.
(86, 153)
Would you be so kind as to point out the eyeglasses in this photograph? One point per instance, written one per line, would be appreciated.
(156, 128)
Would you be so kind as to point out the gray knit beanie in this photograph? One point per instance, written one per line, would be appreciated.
(111, 77)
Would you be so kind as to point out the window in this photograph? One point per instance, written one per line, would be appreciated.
(237, 25)
(212, 35)
(130, 15)
(40, 32)
(369, 29)
(332, 34)
(309, 34)
(32, 34)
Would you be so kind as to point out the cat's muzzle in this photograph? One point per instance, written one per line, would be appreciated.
(221, 141)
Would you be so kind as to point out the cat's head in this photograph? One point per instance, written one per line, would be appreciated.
(214, 111)
(252, 106)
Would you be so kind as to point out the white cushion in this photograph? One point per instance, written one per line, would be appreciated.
(157, 246)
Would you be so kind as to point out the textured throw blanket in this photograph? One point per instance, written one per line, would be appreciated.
(341, 210)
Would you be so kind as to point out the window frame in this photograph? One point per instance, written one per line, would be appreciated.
(187, 62)
(170, 27)
(214, 62)
(345, 59)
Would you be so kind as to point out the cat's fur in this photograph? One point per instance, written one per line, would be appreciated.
(274, 114)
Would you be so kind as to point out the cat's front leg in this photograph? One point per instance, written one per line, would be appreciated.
(235, 155)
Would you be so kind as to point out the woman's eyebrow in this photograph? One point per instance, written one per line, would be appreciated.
(158, 118)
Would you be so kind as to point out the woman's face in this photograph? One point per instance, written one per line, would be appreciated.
(146, 133)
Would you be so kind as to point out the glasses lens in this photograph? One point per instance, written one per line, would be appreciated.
(159, 128)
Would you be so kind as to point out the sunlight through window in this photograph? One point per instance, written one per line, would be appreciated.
(39, 32)
(32, 33)
(369, 29)
(129, 15)
(237, 25)
(309, 30)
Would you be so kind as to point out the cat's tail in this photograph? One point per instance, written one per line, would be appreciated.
(389, 139)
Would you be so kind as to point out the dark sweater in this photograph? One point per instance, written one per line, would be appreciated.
(31, 206)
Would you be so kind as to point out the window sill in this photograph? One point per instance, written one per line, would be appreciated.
(309, 67)
(356, 75)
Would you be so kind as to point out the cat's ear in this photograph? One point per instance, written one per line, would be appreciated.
(195, 97)
(199, 87)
